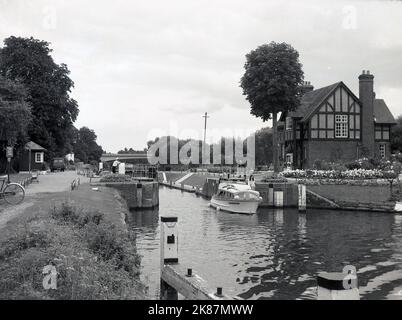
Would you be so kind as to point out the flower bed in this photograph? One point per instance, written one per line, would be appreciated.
(356, 174)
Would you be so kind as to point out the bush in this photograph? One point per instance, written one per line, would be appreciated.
(69, 214)
(92, 260)
(114, 245)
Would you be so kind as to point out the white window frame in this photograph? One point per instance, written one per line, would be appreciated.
(341, 126)
(40, 154)
(383, 150)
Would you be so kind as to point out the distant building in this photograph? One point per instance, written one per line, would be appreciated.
(333, 124)
(32, 157)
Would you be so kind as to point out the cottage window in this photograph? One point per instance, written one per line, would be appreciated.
(385, 133)
(39, 157)
(382, 150)
(289, 123)
(341, 126)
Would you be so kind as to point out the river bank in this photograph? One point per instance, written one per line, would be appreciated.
(82, 233)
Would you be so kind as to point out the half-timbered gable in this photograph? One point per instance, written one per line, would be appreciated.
(337, 117)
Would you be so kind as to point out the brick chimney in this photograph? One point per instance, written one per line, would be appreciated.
(306, 87)
(366, 97)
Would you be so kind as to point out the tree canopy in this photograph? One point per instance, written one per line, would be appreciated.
(28, 60)
(15, 112)
(271, 83)
(85, 147)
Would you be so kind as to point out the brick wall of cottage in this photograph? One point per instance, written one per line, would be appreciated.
(330, 150)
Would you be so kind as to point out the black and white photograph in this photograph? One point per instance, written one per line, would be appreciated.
(221, 152)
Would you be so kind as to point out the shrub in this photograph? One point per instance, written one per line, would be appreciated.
(69, 214)
(86, 269)
(111, 244)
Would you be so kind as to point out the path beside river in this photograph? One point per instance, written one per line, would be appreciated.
(55, 188)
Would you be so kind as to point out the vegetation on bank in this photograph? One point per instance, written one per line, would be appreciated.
(93, 259)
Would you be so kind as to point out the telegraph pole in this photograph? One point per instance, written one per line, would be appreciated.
(205, 116)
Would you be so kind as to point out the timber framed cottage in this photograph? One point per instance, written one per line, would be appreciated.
(333, 124)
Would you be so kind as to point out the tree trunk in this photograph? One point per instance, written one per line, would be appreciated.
(275, 142)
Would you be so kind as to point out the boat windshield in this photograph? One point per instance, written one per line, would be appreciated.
(247, 196)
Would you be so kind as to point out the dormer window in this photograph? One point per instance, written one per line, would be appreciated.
(341, 126)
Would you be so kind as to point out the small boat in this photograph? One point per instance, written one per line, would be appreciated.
(236, 197)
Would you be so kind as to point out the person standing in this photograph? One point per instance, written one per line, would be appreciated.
(115, 165)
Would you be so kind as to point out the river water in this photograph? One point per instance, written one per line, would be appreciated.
(274, 254)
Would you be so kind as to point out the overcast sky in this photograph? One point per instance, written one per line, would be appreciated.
(143, 68)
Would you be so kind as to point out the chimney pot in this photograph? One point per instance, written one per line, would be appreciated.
(368, 71)
(364, 71)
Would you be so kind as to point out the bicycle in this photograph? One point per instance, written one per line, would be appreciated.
(12, 193)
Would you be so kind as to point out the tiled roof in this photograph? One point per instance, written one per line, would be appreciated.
(382, 113)
(33, 146)
(311, 100)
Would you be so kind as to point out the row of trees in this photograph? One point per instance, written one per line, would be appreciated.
(35, 102)
(263, 147)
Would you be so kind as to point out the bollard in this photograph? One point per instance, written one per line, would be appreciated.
(189, 272)
(302, 197)
(337, 286)
(219, 292)
(169, 240)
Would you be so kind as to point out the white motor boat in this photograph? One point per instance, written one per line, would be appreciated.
(236, 197)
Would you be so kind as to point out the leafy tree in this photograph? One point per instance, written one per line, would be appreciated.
(14, 116)
(263, 146)
(53, 110)
(271, 83)
(85, 146)
(131, 151)
(396, 135)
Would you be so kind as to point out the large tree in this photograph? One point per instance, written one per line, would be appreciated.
(53, 110)
(271, 83)
(263, 146)
(14, 117)
(85, 147)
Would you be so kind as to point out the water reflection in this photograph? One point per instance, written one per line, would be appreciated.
(274, 254)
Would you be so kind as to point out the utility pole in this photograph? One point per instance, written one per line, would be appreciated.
(205, 131)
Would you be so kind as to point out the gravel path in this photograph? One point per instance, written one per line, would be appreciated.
(39, 192)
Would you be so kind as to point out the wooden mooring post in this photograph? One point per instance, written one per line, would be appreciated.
(176, 278)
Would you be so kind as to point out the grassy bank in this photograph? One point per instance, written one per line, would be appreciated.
(93, 258)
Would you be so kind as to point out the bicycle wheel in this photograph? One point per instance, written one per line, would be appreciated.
(14, 193)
